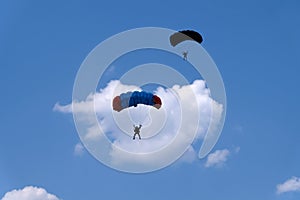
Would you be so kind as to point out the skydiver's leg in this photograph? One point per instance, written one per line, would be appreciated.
(134, 136)
(139, 136)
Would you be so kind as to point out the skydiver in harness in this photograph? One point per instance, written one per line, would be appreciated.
(185, 53)
(137, 131)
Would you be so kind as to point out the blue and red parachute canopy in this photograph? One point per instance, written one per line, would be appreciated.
(128, 99)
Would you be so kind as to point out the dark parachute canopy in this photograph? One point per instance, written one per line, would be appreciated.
(184, 35)
(128, 99)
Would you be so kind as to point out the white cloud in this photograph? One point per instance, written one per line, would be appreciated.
(218, 158)
(63, 109)
(291, 185)
(29, 193)
(166, 121)
(78, 149)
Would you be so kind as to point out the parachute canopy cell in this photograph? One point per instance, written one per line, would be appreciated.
(184, 35)
(128, 99)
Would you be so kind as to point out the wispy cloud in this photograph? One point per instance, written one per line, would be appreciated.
(29, 193)
(217, 158)
(291, 185)
(238, 128)
(78, 149)
(64, 109)
(237, 149)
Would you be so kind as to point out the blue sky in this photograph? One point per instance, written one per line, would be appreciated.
(254, 44)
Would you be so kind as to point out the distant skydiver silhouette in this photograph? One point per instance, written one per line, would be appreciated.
(185, 53)
(137, 131)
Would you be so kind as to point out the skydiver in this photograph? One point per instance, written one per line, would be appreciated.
(185, 53)
(137, 131)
